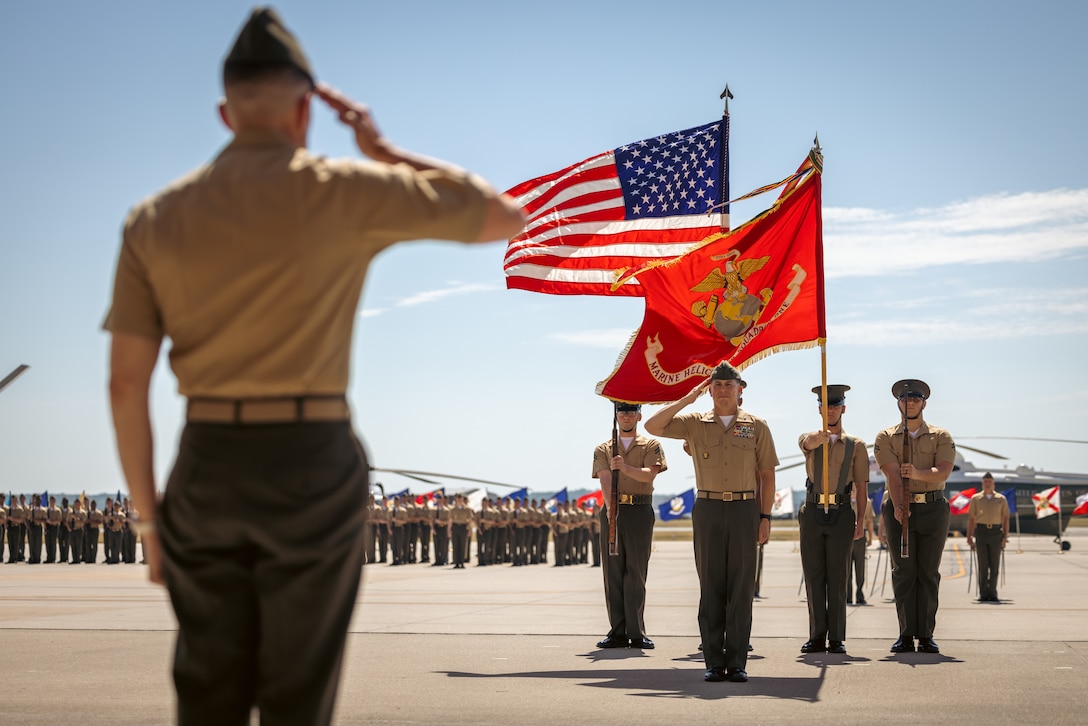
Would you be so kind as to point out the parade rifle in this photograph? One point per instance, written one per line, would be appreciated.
(614, 492)
(904, 539)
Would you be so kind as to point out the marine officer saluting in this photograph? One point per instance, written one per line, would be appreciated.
(916, 578)
(734, 458)
(253, 266)
(827, 522)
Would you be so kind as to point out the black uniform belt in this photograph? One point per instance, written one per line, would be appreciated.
(989, 526)
(727, 496)
(635, 499)
(292, 409)
(926, 497)
(833, 500)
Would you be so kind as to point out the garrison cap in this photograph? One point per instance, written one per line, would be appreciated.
(264, 42)
(622, 406)
(836, 393)
(726, 372)
(910, 387)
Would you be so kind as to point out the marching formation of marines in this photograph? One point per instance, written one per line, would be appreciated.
(438, 531)
(37, 532)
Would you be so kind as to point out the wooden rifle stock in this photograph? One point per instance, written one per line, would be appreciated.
(904, 539)
(614, 493)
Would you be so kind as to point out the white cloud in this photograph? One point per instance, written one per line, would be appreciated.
(999, 228)
(974, 315)
(430, 296)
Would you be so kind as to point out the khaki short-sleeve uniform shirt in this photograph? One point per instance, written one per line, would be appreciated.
(991, 510)
(76, 520)
(931, 446)
(726, 459)
(859, 466)
(643, 453)
(253, 264)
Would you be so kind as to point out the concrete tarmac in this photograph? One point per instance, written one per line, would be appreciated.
(92, 644)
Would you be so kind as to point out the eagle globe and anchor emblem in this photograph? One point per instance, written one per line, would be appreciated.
(731, 309)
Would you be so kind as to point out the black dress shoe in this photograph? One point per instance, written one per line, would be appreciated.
(813, 646)
(836, 646)
(642, 643)
(714, 675)
(861, 599)
(736, 675)
(903, 645)
(928, 645)
(613, 642)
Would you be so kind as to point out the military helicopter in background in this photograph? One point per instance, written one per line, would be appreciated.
(1025, 480)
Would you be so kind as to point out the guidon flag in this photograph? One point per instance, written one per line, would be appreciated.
(648, 200)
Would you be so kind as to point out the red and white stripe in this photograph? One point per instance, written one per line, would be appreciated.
(577, 235)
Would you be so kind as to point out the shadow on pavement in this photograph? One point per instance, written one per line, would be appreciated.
(673, 683)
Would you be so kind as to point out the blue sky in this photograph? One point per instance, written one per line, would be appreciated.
(955, 208)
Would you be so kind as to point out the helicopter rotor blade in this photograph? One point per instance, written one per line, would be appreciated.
(418, 478)
(408, 472)
(1025, 438)
(982, 451)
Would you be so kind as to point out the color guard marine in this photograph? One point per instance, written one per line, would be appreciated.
(920, 456)
(828, 524)
(638, 460)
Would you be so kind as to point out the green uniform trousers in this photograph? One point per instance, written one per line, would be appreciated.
(262, 535)
(625, 572)
(724, 536)
(916, 579)
(825, 559)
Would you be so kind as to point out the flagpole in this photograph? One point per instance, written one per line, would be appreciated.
(823, 417)
(724, 165)
(1061, 551)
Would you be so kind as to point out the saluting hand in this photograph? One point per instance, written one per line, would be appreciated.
(356, 115)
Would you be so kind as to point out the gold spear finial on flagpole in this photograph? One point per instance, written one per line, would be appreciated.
(726, 94)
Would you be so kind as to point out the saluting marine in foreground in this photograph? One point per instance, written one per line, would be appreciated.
(253, 266)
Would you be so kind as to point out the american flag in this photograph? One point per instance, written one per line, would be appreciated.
(648, 200)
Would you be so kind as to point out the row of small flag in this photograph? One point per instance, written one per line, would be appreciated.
(522, 495)
(1046, 503)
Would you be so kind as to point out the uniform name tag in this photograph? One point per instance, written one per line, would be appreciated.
(744, 431)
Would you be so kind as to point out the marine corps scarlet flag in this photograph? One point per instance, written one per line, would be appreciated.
(737, 297)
